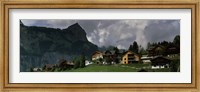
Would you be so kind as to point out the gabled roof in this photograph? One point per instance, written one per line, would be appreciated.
(160, 57)
(108, 51)
(97, 52)
(154, 47)
(127, 52)
(113, 52)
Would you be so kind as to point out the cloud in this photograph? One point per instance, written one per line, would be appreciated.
(120, 33)
(52, 23)
(162, 30)
(109, 32)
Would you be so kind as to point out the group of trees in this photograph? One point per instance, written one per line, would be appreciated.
(79, 62)
(166, 48)
(176, 42)
(175, 66)
(134, 47)
(137, 48)
(117, 55)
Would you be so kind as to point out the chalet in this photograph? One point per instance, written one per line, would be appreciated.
(130, 57)
(64, 64)
(172, 51)
(156, 50)
(160, 62)
(97, 55)
(109, 54)
(48, 67)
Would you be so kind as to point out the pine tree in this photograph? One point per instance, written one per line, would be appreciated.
(134, 47)
(130, 48)
(148, 45)
(176, 40)
(76, 63)
(82, 61)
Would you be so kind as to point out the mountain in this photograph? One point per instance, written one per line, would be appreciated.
(42, 45)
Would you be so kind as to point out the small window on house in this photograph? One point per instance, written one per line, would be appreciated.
(124, 58)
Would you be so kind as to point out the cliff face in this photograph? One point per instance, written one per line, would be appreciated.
(40, 45)
(76, 32)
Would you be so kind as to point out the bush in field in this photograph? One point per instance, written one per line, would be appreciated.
(175, 65)
(101, 60)
(53, 69)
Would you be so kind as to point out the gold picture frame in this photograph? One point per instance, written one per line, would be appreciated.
(105, 87)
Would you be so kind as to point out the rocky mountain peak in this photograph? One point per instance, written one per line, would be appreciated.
(77, 31)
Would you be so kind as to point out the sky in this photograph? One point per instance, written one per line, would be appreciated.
(120, 33)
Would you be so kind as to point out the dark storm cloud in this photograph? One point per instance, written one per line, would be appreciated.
(162, 30)
(120, 33)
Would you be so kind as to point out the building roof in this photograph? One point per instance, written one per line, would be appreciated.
(146, 58)
(109, 52)
(160, 59)
(49, 65)
(97, 52)
(127, 52)
(154, 47)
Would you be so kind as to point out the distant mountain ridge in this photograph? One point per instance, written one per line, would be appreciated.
(39, 41)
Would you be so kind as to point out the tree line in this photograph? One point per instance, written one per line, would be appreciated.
(134, 47)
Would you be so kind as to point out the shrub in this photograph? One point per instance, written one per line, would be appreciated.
(76, 62)
(82, 61)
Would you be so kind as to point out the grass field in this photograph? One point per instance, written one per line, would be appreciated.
(116, 68)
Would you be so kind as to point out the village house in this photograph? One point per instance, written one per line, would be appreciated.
(160, 62)
(109, 54)
(97, 55)
(48, 67)
(172, 51)
(64, 64)
(130, 57)
(156, 50)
